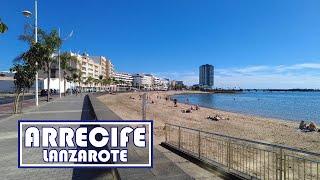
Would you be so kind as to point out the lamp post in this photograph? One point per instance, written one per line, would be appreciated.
(29, 14)
(59, 70)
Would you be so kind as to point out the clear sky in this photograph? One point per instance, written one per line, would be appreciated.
(251, 43)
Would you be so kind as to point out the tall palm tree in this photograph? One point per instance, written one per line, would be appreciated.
(3, 27)
(77, 77)
(43, 51)
(96, 82)
(100, 81)
(66, 60)
(52, 42)
(89, 81)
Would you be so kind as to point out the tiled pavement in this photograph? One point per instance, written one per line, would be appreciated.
(68, 108)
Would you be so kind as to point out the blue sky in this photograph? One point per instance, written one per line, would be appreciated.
(252, 44)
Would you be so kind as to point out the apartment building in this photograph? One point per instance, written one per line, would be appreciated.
(206, 76)
(143, 81)
(150, 82)
(93, 66)
(160, 83)
(125, 78)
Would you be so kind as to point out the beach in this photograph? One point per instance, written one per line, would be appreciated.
(270, 130)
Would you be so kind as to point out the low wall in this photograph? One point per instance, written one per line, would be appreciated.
(101, 112)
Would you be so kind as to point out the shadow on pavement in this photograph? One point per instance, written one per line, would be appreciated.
(90, 173)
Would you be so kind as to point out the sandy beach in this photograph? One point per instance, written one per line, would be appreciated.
(128, 106)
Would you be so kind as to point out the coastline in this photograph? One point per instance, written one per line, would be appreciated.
(270, 130)
(234, 112)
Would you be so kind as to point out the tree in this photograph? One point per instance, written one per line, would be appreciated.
(52, 42)
(89, 81)
(77, 77)
(23, 80)
(3, 27)
(106, 81)
(96, 82)
(100, 81)
(47, 45)
(66, 65)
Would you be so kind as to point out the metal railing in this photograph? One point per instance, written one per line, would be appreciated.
(246, 158)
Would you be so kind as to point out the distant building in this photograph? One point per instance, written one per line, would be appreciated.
(161, 84)
(125, 78)
(174, 84)
(143, 81)
(94, 66)
(206, 76)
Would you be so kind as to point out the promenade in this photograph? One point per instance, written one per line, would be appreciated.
(70, 108)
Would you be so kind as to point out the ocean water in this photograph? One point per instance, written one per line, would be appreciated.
(294, 106)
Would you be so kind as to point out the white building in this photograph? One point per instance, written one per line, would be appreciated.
(90, 66)
(143, 81)
(126, 78)
(160, 83)
(164, 84)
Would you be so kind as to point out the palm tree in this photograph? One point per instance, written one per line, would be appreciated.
(3, 27)
(77, 77)
(52, 42)
(66, 60)
(43, 50)
(96, 82)
(89, 81)
(100, 81)
(106, 81)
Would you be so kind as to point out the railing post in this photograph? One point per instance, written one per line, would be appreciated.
(281, 165)
(229, 154)
(199, 144)
(179, 136)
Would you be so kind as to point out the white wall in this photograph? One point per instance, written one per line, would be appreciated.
(54, 84)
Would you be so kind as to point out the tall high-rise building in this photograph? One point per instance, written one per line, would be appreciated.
(206, 76)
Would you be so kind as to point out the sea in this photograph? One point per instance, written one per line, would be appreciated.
(286, 105)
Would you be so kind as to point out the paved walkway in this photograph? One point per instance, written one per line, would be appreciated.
(68, 108)
(7, 108)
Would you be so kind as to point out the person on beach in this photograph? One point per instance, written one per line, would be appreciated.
(312, 127)
(197, 107)
(302, 125)
(175, 103)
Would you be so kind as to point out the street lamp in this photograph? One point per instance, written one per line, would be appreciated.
(29, 14)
